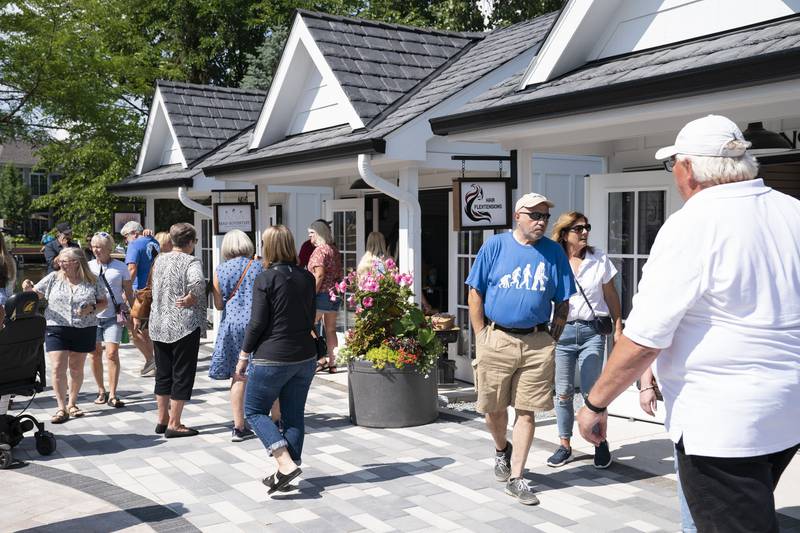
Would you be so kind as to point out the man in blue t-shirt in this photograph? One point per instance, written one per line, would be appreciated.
(517, 282)
(142, 252)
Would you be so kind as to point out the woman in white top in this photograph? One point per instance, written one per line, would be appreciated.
(581, 346)
(74, 296)
(376, 250)
(116, 278)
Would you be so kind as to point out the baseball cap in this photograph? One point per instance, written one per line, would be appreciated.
(531, 200)
(707, 136)
(63, 227)
(131, 226)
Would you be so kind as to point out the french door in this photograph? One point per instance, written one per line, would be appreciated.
(626, 211)
(347, 223)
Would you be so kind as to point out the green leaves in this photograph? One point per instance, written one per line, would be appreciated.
(15, 200)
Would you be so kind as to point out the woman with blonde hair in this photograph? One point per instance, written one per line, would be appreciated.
(74, 296)
(233, 295)
(278, 354)
(8, 273)
(116, 278)
(326, 266)
(580, 347)
(376, 250)
(164, 241)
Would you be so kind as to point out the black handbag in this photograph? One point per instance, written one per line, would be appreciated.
(602, 324)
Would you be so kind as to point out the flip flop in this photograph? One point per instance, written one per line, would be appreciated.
(115, 402)
(278, 481)
(322, 366)
(102, 398)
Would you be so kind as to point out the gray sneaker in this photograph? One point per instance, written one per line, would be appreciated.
(502, 464)
(149, 369)
(519, 488)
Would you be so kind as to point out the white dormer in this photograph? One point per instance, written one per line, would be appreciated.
(305, 94)
(160, 145)
(587, 30)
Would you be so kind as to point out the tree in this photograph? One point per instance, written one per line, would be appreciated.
(15, 198)
(264, 62)
(506, 12)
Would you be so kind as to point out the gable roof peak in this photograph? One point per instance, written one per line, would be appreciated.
(388, 25)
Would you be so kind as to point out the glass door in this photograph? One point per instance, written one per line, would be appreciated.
(626, 211)
(347, 222)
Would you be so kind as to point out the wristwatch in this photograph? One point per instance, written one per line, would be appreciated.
(593, 408)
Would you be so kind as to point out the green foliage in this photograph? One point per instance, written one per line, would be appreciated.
(263, 63)
(388, 329)
(506, 12)
(15, 199)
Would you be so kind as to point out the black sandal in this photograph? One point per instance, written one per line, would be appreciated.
(102, 398)
(322, 365)
(278, 481)
(115, 402)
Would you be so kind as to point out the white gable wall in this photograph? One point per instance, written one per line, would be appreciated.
(588, 30)
(160, 145)
(317, 105)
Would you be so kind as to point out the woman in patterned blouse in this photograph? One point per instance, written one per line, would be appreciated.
(74, 296)
(326, 265)
(177, 319)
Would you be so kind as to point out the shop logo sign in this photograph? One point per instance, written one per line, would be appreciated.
(481, 203)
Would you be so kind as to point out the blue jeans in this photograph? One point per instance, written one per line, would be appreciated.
(687, 522)
(579, 346)
(288, 383)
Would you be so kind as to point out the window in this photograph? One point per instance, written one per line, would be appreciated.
(345, 236)
(39, 185)
(469, 242)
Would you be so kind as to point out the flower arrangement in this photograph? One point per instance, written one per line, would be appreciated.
(388, 329)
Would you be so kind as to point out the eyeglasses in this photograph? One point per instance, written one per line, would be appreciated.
(579, 228)
(536, 215)
(669, 164)
(102, 234)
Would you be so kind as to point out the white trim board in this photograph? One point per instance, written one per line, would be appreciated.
(158, 135)
(294, 76)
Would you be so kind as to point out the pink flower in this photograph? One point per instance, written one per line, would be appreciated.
(368, 302)
(390, 264)
(333, 296)
(352, 300)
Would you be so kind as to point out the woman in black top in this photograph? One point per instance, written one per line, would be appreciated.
(278, 354)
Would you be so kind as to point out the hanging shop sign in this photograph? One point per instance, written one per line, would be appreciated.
(120, 219)
(481, 203)
(229, 216)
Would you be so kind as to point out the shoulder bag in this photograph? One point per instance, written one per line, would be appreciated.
(143, 299)
(602, 324)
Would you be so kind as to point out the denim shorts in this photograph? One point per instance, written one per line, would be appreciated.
(69, 339)
(325, 305)
(108, 330)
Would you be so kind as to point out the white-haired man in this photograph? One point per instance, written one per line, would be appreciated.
(141, 253)
(719, 305)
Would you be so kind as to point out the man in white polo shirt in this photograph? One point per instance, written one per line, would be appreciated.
(719, 305)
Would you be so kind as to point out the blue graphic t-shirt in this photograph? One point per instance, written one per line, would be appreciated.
(141, 251)
(519, 282)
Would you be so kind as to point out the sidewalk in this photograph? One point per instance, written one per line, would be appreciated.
(112, 473)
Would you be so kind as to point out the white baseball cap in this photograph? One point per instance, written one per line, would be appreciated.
(707, 136)
(531, 200)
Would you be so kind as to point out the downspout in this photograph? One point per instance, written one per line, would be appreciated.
(380, 184)
(191, 204)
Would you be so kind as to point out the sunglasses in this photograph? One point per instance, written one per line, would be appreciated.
(579, 228)
(102, 234)
(536, 216)
(669, 164)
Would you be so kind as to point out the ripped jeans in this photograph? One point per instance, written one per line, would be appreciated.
(579, 348)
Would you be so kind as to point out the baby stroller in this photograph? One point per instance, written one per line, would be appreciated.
(22, 373)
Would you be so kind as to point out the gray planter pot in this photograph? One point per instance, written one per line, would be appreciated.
(390, 398)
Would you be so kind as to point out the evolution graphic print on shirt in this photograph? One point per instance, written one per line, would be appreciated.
(519, 282)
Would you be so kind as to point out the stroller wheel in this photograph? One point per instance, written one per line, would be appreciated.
(45, 442)
(5, 458)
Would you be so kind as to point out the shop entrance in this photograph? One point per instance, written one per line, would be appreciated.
(381, 213)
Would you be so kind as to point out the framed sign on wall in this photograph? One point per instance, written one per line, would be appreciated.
(120, 219)
(228, 216)
(481, 203)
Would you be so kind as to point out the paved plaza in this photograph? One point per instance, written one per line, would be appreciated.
(112, 473)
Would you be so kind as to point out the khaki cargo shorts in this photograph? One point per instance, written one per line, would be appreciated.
(514, 370)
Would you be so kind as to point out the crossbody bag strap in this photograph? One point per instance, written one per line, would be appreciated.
(110, 292)
(241, 279)
(149, 284)
(585, 298)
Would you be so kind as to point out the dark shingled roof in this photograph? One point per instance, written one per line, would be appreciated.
(676, 59)
(496, 49)
(377, 63)
(205, 116)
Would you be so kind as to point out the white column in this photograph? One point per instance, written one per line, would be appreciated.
(410, 237)
(525, 173)
(262, 214)
(150, 213)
